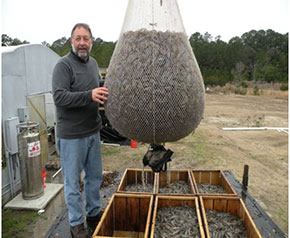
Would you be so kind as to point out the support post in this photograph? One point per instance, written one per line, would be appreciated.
(246, 176)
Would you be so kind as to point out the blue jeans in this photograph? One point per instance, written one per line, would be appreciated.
(77, 155)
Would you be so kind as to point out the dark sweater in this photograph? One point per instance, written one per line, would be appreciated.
(72, 83)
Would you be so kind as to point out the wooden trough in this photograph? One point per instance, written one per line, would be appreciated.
(232, 205)
(213, 177)
(174, 201)
(170, 176)
(127, 215)
(134, 176)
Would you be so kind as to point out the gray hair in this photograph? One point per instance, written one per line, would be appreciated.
(84, 25)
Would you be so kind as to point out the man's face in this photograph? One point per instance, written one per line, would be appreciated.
(81, 42)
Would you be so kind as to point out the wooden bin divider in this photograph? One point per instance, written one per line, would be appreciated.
(173, 201)
(134, 176)
(214, 177)
(126, 215)
(173, 175)
(232, 205)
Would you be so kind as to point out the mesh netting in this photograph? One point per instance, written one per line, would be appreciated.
(156, 92)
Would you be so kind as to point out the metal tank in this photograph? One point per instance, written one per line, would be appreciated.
(30, 160)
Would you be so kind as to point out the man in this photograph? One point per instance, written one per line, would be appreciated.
(76, 93)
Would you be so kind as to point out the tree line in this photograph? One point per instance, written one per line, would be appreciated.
(260, 56)
(255, 56)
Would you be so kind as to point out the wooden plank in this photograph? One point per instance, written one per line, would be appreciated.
(205, 177)
(249, 223)
(162, 179)
(172, 176)
(189, 202)
(143, 213)
(153, 221)
(241, 212)
(199, 217)
(198, 176)
(208, 204)
(175, 202)
(220, 205)
(163, 202)
(138, 177)
(122, 185)
(194, 183)
(215, 177)
(145, 207)
(190, 181)
(123, 181)
(121, 217)
(131, 177)
(149, 218)
(105, 226)
(127, 234)
(233, 206)
(108, 224)
(184, 175)
(148, 177)
(195, 175)
(227, 185)
(133, 209)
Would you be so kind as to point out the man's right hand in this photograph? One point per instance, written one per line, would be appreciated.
(100, 94)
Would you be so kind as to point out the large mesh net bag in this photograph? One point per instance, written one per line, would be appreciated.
(156, 91)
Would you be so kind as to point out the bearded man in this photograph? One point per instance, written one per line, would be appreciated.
(76, 94)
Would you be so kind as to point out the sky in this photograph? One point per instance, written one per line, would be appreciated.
(42, 20)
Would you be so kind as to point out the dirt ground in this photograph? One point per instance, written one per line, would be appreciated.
(211, 147)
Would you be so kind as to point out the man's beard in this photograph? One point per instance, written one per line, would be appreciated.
(83, 56)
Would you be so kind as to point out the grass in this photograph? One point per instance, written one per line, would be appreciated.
(195, 151)
(278, 89)
(110, 152)
(14, 223)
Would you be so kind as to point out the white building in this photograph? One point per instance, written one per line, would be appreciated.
(26, 95)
